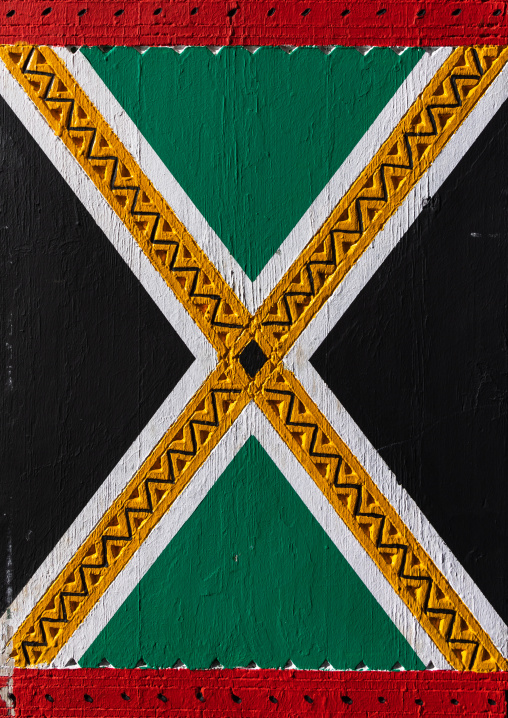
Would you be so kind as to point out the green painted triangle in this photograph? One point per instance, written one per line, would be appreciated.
(253, 138)
(251, 576)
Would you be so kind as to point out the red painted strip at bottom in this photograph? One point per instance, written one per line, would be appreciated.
(254, 693)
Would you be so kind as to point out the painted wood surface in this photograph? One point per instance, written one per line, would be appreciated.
(392, 23)
(256, 693)
(255, 375)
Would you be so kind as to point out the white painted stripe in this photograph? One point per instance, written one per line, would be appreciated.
(149, 551)
(407, 509)
(347, 173)
(250, 423)
(298, 361)
(252, 293)
(410, 628)
(102, 213)
(157, 172)
(174, 312)
(347, 544)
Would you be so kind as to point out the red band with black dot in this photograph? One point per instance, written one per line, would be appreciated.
(114, 693)
(254, 22)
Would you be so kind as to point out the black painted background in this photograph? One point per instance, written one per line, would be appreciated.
(420, 361)
(87, 358)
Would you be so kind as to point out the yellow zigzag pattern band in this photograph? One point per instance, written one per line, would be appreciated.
(376, 525)
(131, 517)
(378, 191)
(352, 226)
(162, 237)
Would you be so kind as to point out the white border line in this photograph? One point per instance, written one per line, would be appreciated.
(252, 293)
(360, 156)
(251, 423)
(156, 171)
(299, 356)
(171, 308)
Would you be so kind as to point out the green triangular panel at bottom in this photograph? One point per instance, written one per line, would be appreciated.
(251, 576)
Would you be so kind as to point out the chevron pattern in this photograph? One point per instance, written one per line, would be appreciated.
(380, 530)
(199, 430)
(376, 194)
(154, 225)
(159, 481)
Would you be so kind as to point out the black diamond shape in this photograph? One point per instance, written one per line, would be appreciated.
(252, 358)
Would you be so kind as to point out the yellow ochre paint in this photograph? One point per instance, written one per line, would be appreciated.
(172, 251)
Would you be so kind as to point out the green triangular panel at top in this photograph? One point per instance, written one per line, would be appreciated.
(251, 576)
(253, 137)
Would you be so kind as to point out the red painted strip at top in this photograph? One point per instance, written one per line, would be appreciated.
(255, 693)
(254, 22)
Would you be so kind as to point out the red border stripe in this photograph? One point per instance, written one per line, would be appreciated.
(221, 693)
(4, 682)
(254, 22)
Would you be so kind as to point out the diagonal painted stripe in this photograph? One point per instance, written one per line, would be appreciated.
(444, 617)
(162, 295)
(251, 422)
(130, 519)
(377, 526)
(252, 293)
(298, 359)
(378, 192)
(154, 284)
(339, 184)
(161, 236)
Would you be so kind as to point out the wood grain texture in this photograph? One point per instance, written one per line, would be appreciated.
(255, 22)
(88, 357)
(257, 693)
(420, 361)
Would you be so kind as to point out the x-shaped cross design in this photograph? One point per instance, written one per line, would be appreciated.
(251, 350)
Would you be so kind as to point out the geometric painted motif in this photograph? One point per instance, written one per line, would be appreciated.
(63, 277)
(222, 125)
(232, 596)
(262, 395)
(430, 396)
